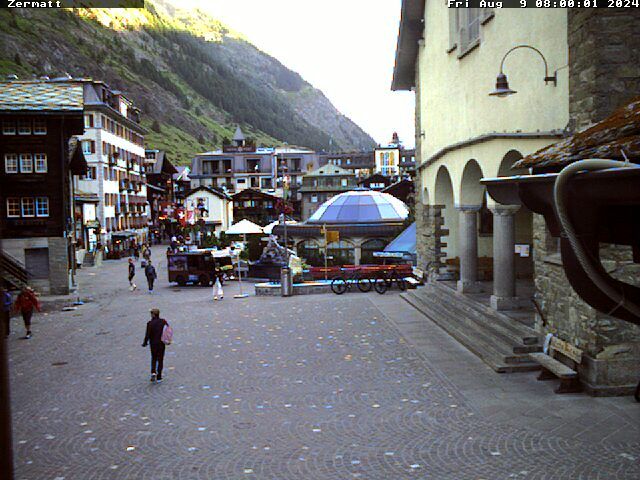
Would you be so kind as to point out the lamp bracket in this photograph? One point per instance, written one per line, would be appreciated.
(547, 78)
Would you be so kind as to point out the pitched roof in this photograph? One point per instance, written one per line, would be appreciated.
(239, 136)
(36, 95)
(617, 133)
(213, 191)
(253, 192)
(160, 164)
(410, 31)
(329, 169)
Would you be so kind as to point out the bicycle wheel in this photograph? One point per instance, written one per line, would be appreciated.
(339, 286)
(380, 285)
(364, 284)
(402, 283)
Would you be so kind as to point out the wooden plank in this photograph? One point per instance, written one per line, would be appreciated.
(566, 349)
(559, 369)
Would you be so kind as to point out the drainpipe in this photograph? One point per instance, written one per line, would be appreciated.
(560, 193)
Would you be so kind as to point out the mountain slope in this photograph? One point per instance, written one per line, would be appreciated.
(193, 78)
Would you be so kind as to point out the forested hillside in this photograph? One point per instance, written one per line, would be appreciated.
(193, 78)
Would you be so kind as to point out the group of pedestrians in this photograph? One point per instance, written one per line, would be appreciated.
(26, 302)
(146, 264)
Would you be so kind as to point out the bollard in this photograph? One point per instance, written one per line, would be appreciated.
(286, 283)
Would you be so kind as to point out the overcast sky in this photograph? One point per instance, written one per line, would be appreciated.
(346, 48)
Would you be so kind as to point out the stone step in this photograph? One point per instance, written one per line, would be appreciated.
(446, 305)
(14, 281)
(522, 339)
(491, 318)
(491, 352)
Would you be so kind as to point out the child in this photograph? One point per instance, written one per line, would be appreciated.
(217, 289)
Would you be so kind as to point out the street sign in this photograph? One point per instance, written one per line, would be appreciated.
(333, 236)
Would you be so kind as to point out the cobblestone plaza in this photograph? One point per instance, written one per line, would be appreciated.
(315, 387)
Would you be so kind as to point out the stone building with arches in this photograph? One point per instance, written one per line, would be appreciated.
(554, 60)
(464, 134)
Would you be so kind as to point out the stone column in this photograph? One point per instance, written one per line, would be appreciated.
(468, 248)
(357, 250)
(504, 262)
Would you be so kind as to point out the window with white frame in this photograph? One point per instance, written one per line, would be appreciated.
(26, 163)
(28, 207)
(11, 163)
(13, 207)
(24, 127)
(41, 162)
(40, 127)
(344, 182)
(88, 147)
(314, 199)
(88, 120)
(8, 127)
(42, 206)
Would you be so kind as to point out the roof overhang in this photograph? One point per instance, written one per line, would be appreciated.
(410, 32)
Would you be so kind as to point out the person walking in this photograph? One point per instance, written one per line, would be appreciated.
(132, 273)
(5, 310)
(218, 293)
(26, 303)
(150, 273)
(146, 253)
(153, 338)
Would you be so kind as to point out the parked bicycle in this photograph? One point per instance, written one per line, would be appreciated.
(344, 282)
(385, 280)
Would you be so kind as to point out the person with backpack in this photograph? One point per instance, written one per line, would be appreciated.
(26, 303)
(132, 273)
(157, 336)
(5, 310)
(150, 273)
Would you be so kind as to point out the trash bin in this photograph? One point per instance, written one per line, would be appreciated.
(286, 284)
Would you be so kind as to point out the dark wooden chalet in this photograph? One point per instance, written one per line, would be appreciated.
(38, 119)
(256, 206)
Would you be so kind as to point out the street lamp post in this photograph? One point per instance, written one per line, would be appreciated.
(6, 443)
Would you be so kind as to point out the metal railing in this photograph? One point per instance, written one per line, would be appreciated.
(12, 271)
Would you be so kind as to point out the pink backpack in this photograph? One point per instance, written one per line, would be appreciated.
(167, 334)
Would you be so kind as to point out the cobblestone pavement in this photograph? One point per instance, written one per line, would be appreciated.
(316, 387)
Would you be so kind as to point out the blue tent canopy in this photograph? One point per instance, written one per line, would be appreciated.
(405, 242)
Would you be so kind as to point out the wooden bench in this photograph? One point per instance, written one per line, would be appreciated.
(553, 368)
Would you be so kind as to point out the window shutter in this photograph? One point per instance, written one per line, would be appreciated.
(93, 146)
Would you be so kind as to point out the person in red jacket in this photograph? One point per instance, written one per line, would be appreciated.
(26, 303)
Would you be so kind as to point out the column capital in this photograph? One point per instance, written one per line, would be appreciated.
(468, 208)
(504, 209)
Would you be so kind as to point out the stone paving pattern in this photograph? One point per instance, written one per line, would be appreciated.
(314, 387)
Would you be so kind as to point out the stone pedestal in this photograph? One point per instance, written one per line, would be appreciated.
(504, 263)
(468, 248)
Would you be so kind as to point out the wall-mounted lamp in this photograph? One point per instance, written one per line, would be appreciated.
(502, 84)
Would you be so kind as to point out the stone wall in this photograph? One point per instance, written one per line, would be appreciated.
(611, 363)
(429, 234)
(604, 62)
(58, 266)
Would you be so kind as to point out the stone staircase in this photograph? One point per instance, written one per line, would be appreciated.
(13, 272)
(499, 341)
